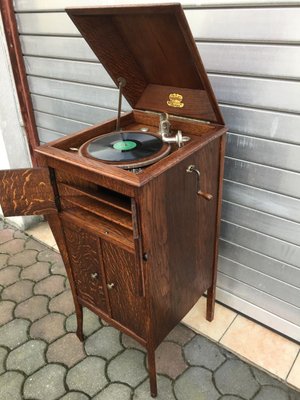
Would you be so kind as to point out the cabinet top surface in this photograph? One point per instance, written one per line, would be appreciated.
(152, 48)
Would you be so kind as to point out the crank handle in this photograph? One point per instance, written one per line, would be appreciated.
(206, 196)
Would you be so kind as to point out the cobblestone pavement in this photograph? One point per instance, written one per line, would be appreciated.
(42, 359)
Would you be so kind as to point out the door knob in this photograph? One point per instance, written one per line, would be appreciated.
(110, 286)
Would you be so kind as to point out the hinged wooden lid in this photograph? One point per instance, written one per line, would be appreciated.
(152, 47)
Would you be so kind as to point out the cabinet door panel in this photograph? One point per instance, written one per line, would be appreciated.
(84, 255)
(127, 308)
(26, 192)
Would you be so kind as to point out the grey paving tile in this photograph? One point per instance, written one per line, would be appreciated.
(24, 258)
(196, 383)
(59, 269)
(115, 391)
(32, 244)
(6, 235)
(271, 393)
(67, 350)
(49, 256)
(27, 358)
(234, 377)
(10, 384)
(88, 376)
(14, 333)
(164, 387)
(180, 334)
(62, 303)
(50, 286)
(265, 379)
(33, 308)
(130, 343)
(105, 343)
(91, 322)
(128, 367)
(203, 353)
(169, 360)
(20, 235)
(18, 291)
(12, 247)
(75, 396)
(49, 327)
(47, 383)
(3, 354)
(36, 271)
(9, 275)
(6, 311)
(3, 260)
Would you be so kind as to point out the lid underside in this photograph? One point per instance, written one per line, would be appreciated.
(153, 49)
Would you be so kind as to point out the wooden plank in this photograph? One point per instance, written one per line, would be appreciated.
(26, 192)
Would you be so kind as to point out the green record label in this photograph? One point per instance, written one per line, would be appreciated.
(124, 145)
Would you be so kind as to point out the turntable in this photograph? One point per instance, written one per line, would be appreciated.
(134, 203)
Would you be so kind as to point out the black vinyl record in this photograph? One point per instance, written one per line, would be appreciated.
(126, 148)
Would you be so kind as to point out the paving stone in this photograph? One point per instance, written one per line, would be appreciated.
(130, 343)
(49, 256)
(14, 333)
(49, 327)
(169, 360)
(33, 308)
(20, 235)
(105, 343)
(3, 260)
(23, 259)
(32, 244)
(3, 354)
(294, 395)
(230, 397)
(88, 376)
(269, 392)
(128, 367)
(91, 322)
(195, 383)
(115, 391)
(180, 334)
(36, 271)
(11, 384)
(234, 377)
(6, 311)
(19, 291)
(164, 388)
(9, 275)
(59, 269)
(67, 350)
(12, 247)
(203, 353)
(62, 303)
(6, 235)
(47, 383)
(265, 379)
(75, 396)
(27, 358)
(50, 286)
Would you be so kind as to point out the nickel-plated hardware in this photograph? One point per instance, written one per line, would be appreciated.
(94, 275)
(165, 131)
(110, 286)
(73, 148)
(205, 195)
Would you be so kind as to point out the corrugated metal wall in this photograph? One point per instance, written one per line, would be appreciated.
(251, 51)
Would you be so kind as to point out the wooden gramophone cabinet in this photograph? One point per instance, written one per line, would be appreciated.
(139, 248)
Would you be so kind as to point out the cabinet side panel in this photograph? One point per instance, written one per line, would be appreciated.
(179, 236)
(84, 257)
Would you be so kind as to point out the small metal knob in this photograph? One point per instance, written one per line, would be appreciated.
(94, 275)
(110, 286)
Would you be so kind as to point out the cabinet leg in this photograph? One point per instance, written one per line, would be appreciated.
(79, 317)
(152, 371)
(210, 303)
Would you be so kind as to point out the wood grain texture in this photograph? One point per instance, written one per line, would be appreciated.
(127, 308)
(179, 230)
(26, 192)
(149, 45)
(19, 72)
(84, 259)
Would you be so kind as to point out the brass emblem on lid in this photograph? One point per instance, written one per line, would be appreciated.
(175, 100)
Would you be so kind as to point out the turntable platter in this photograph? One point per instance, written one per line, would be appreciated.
(126, 149)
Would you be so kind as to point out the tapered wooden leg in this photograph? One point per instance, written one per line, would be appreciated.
(152, 371)
(210, 303)
(57, 230)
(79, 317)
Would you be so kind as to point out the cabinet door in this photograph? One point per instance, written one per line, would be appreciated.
(83, 249)
(26, 192)
(127, 308)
